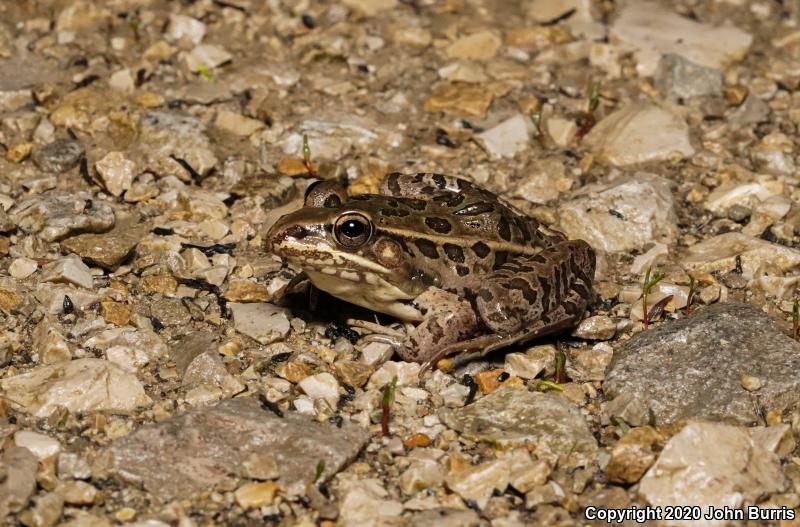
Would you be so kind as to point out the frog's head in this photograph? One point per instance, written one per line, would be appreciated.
(345, 252)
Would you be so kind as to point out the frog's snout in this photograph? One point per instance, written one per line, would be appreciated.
(280, 232)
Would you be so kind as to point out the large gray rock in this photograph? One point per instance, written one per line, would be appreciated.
(193, 452)
(18, 470)
(695, 368)
(510, 417)
(55, 215)
(678, 77)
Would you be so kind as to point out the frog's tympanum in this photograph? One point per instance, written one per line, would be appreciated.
(472, 273)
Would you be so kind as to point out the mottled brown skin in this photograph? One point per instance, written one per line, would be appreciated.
(475, 273)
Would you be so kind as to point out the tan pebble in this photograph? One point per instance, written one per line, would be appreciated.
(774, 417)
(459, 99)
(254, 495)
(115, 312)
(125, 514)
(19, 152)
(9, 300)
(735, 94)
(366, 184)
(246, 291)
(159, 283)
(751, 383)
(489, 381)
(293, 372)
(230, 348)
(292, 166)
(417, 440)
(150, 100)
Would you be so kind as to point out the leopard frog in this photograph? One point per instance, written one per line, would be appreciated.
(473, 273)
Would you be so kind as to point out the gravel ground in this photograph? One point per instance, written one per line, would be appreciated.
(159, 367)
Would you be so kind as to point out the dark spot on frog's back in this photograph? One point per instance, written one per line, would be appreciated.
(522, 285)
(427, 248)
(440, 225)
(392, 182)
(480, 249)
(462, 270)
(504, 229)
(439, 180)
(454, 253)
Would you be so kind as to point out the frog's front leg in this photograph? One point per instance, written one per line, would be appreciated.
(448, 319)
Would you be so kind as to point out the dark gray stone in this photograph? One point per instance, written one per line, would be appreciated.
(678, 77)
(692, 369)
(59, 156)
(188, 454)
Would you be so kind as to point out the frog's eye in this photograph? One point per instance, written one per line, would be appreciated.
(352, 230)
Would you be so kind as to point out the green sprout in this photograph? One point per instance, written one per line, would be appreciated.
(795, 318)
(648, 284)
(561, 360)
(386, 402)
(690, 297)
(319, 470)
(203, 71)
(537, 119)
(588, 119)
(549, 384)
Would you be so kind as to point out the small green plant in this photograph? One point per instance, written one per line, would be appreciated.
(203, 71)
(690, 297)
(541, 383)
(648, 284)
(560, 376)
(795, 318)
(307, 157)
(386, 403)
(319, 470)
(589, 119)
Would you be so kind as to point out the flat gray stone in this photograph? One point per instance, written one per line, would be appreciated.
(188, 454)
(59, 156)
(678, 77)
(692, 369)
(511, 417)
(55, 215)
(18, 468)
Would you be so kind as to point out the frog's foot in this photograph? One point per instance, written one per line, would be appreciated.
(375, 329)
(395, 337)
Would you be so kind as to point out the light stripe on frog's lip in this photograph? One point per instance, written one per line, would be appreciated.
(336, 258)
(459, 240)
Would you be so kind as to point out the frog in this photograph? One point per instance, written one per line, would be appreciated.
(467, 270)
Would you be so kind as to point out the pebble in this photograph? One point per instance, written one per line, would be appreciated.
(182, 26)
(321, 386)
(633, 454)
(680, 78)
(407, 373)
(55, 215)
(732, 193)
(72, 466)
(21, 268)
(589, 364)
(721, 252)
(167, 133)
(207, 57)
(116, 172)
(422, 474)
(77, 492)
(69, 270)
(59, 156)
(255, 495)
(482, 45)
(46, 511)
(456, 99)
(561, 131)
(713, 464)
(702, 385)
(80, 385)
(376, 353)
(48, 342)
(263, 323)
(19, 152)
(237, 124)
(598, 327)
(40, 445)
(640, 133)
(477, 483)
(371, 7)
(366, 500)
(624, 214)
(507, 138)
(654, 31)
(19, 482)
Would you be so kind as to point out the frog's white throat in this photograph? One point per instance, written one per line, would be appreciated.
(366, 289)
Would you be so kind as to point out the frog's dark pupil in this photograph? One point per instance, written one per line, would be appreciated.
(352, 228)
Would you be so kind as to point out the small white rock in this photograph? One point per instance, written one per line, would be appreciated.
(116, 172)
(22, 268)
(68, 270)
(122, 81)
(181, 26)
(207, 56)
(41, 445)
(321, 386)
(507, 138)
(376, 353)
